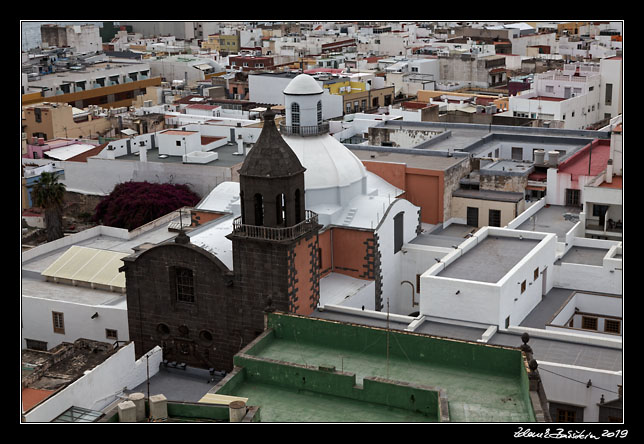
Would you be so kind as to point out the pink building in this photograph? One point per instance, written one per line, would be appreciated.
(566, 182)
(38, 146)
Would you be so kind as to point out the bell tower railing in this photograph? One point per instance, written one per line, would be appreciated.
(275, 233)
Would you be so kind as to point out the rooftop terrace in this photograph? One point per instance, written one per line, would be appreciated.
(309, 370)
(490, 260)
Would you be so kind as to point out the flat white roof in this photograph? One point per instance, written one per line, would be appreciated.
(69, 151)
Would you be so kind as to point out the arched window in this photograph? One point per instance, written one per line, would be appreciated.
(259, 209)
(295, 117)
(184, 284)
(280, 209)
(319, 112)
(298, 217)
(398, 231)
(241, 199)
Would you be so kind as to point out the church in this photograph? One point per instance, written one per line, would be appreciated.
(305, 225)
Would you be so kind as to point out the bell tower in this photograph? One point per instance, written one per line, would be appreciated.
(271, 181)
(275, 239)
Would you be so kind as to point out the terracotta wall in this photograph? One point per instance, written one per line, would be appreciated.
(303, 288)
(350, 252)
(424, 188)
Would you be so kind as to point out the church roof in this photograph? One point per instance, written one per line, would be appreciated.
(303, 84)
(271, 156)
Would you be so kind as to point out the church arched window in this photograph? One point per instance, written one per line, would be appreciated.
(259, 209)
(295, 116)
(280, 209)
(298, 217)
(319, 112)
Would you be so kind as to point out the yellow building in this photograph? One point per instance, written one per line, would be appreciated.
(57, 120)
(221, 43)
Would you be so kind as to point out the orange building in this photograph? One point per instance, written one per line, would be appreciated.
(428, 181)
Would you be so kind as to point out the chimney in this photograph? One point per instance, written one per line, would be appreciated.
(609, 171)
(553, 158)
(143, 152)
(240, 145)
(539, 157)
(41, 141)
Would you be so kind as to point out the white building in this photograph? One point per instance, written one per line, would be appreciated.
(571, 95)
(340, 191)
(268, 88)
(612, 75)
(190, 69)
(81, 38)
(502, 293)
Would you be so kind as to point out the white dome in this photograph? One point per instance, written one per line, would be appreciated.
(328, 162)
(303, 84)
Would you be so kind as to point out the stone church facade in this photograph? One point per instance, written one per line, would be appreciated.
(183, 298)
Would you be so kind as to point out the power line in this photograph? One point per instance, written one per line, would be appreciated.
(581, 382)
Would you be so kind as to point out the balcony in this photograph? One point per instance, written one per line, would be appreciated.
(304, 131)
(275, 233)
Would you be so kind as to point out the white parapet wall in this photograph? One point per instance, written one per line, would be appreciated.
(100, 386)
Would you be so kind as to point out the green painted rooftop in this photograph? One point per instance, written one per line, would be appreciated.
(482, 383)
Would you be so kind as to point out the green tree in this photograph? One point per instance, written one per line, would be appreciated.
(49, 195)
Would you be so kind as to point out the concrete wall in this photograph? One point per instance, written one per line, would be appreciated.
(88, 177)
(37, 320)
(489, 303)
(508, 209)
(607, 278)
(390, 262)
(563, 390)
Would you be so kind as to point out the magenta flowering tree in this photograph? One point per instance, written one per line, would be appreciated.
(132, 204)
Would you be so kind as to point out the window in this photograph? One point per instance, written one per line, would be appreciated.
(494, 218)
(280, 209)
(259, 209)
(612, 326)
(184, 284)
(298, 207)
(536, 273)
(472, 216)
(572, 197)
(33, 344)
(418, 283)
(111, 334)
(608, 100)
(523, 287)
(589, 323)
(178, 142)
(550, 88)
(163, 330)
(59, 322)
(564, 415)
(319, 111)
(517, 153)
(206, 337)
(295, 114)
(398, 232)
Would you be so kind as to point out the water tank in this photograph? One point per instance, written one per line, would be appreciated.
(539, 157)
(553, 158)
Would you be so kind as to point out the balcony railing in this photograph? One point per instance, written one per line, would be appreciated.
(313, 130)
(274, 233)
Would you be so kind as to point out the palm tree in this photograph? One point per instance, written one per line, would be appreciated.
(48, 194)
